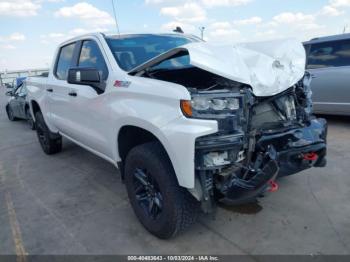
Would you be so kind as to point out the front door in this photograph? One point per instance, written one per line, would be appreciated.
(79, 110)
(88, 105)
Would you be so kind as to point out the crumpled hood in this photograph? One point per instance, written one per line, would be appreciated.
(268, 67)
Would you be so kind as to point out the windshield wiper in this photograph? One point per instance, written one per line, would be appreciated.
(152, 71)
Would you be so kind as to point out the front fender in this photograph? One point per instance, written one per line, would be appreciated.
(178, 139)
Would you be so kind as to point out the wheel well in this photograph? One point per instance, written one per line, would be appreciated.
(131, 136)
(35, 107)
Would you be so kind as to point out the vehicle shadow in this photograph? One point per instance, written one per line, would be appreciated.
(247, 209)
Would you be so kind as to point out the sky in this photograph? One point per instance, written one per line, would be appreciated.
(32, 29)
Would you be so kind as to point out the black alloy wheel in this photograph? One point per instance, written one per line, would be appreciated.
(147, 193)
(43, 138)
(51, 143)
(162, 206)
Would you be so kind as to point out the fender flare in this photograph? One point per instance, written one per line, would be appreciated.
(147, 126)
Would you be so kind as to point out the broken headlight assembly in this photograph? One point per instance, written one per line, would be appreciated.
(211, 106)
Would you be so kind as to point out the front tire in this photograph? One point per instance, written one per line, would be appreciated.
(162, 206)
(51, 143)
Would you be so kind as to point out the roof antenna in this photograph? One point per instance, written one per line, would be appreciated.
(115, 18)
(344, 30)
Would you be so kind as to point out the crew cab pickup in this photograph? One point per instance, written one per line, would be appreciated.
(188, 124)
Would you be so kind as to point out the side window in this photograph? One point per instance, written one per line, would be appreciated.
(64, 61)
(91, 56)
(329, 54)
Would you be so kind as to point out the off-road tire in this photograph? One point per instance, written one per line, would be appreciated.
(180, 208)
(51, 143)
(30, 119)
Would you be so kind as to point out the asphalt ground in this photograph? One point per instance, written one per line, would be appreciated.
(75, 203)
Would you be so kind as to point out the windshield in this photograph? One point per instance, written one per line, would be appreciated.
(134, 50)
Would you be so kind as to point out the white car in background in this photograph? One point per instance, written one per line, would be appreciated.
(187, 123)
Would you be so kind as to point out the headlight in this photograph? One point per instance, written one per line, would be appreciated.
(205, 106)
(233, 103)
(200, 103)
(218, 104)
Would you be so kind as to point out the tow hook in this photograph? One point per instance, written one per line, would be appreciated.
(310, 156)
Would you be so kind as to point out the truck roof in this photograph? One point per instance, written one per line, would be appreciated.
(124, 36)
(328, 38)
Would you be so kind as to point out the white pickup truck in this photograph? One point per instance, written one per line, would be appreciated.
(187, 123)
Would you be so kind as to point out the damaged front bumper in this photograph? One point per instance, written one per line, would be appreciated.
(254, 183)
(274, 153)
(300, 148)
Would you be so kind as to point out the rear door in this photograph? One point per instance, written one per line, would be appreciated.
(329, 65)
(58, 89)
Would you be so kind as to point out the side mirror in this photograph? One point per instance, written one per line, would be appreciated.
(84, 76)
(87, 76)
(9, 93)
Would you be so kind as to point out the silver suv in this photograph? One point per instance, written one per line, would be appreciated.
(329, 64)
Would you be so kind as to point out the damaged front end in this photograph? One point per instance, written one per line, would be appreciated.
(265, 124)
(264, 138)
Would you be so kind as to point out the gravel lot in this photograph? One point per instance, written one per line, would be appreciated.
(75, 203)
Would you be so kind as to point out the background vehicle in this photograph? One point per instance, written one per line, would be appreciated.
(329, 64)
(8, 86)
(17, 106)
(186, 126)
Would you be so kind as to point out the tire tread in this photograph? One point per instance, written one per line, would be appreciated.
(54, 140)
(186, 206)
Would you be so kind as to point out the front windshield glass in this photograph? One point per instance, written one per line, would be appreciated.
(134, 50)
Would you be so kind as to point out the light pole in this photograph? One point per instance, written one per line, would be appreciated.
(202, 32)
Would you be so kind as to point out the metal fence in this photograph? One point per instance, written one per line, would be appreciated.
(8, 77)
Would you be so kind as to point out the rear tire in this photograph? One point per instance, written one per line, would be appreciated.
(51, 143)
(10, 114)
(161, 205)
(30, 119)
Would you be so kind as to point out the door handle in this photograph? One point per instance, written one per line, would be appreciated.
(72, 94)
(313, 76)
(49, 90)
